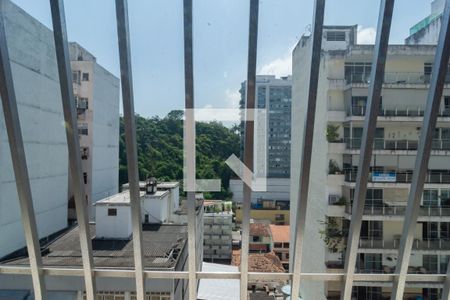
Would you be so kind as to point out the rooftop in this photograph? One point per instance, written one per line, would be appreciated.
(259, 229)
(218, 289)
(122, 199)
(265, 262)
(182, 209)
(280, 233)
(162, 245)
(160, 185)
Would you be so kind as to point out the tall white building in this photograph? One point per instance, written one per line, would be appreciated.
(427, 30)
(36, 82)
(96, 91)
(272, 131)
(341, 104)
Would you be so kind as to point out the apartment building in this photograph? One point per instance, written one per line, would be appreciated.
(280, 243)
(165, 247)
(218, 226)
(36, 82)
(341, 106)
(96, 93)
(272, 211)
(272, 132)
(427, 30)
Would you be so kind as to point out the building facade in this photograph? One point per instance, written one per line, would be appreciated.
(36, 82)
(341, 106)
(217, 239)
(427, 30)
(96, 93)
(272, 132)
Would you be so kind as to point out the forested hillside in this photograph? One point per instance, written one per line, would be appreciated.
(160, 150)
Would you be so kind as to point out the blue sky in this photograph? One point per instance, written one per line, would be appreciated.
(220, 41)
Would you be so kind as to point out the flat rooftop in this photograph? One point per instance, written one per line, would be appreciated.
(159, 185)
(122, 198)
(162, 246)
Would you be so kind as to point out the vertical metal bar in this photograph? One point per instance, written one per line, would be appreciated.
(302, 201)
(189, 147)
(370, 122)
(70, 119)
(249, 141)
(19, 163)
(123, 35)
(438, 75)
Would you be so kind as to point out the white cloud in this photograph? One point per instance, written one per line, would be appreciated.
(366, 35)
(230, 113)
(281, 66)
(232, 98)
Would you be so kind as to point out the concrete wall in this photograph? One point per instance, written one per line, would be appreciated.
(36, 82)
(105, 163)
(118, 226)
(156, 208)
(314, 252)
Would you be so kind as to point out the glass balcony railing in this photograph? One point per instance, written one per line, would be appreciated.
(408, 145)
(425, 244)
(399, 210)
(393, 78)
(396, 111)
(400, 177)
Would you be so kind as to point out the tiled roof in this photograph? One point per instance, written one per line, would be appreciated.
(267, 262)
(280, 233)
(259, 229)
(257, 247)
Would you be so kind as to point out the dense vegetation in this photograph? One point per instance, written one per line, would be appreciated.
(160, 150)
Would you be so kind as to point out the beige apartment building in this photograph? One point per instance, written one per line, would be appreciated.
(341, 106)
(96, 93)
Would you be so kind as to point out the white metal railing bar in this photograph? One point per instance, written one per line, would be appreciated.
(423, 153)
(370, 121)
(18, 157)
(189, 147)
(123, 35)
(117, 273)
(73, 144)
(248, 146)
(303, 188)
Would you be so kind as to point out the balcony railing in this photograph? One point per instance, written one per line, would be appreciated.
(400, 177)
(398, 210)
(429, 244)
(408, 145)
(393, 78)
(396, 111)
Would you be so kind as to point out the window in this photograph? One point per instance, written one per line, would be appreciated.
(85, 77)
(335, 36)
(85, 177)
(430, 198)
(83, 129)
(277, 245)
(76, 77)
(112, 211)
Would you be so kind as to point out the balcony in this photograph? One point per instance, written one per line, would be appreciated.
(418, 245)
(410, 111)
(397, 145)
(393, 78)
(398, 210)
(433, 177)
